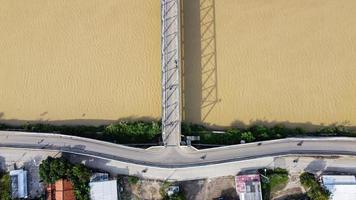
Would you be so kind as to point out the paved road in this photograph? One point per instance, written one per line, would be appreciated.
(178, 157)
(170, 42)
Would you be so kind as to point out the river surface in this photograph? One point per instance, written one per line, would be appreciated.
(82, 61)
(244, 61)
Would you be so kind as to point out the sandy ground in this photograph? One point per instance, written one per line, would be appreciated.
(270, 61)
(81, 61)
(244, 61)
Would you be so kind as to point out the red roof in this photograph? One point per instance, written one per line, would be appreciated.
(60, 190)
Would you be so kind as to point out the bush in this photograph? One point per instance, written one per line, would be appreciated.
(247, 137)
(133, 132)
(314, 190)
(53, 169)
(232, 136)
(5, 186)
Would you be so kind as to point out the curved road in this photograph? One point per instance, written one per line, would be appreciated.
(178, 157)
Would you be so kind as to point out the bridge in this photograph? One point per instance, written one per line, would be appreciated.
(185, 158)
(170, 61)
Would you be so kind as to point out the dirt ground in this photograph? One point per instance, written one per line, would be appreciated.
(204, 189)
(143, 189)
(210, 188)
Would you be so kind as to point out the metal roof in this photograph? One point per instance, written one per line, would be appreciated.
(341, 187)
(18, 183)
(103, 190)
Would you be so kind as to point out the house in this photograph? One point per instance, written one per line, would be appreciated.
(101, 188)
(60, 190)
(18, 184)
(341, 187)
(248, 187)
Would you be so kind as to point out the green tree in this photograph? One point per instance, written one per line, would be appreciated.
(52, 169)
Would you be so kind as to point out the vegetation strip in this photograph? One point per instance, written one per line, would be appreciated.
(141, 132)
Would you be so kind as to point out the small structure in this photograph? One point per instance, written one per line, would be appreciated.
(341, 186)
(60, 190)
(18, 184)
(248, 187)
(101, 188)
(172, 190)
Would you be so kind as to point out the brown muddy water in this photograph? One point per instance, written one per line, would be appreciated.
(83, 61)
(270, 61)
(244, 61)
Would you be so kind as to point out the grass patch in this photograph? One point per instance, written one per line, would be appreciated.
(272, 181)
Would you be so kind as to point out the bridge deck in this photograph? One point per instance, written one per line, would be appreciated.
(170, 52)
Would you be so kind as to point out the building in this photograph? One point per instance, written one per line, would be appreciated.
(60, 190)
(342, 187)
(248, 187)
(101, 188)
(18, 184)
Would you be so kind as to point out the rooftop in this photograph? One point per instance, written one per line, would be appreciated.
(61, 190)
(103, 190)
(341, 187)
(18, 183)
(249, 187)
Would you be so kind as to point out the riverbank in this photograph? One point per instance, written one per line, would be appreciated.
(148, 133)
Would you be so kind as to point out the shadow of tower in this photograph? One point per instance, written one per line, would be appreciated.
(199, 65)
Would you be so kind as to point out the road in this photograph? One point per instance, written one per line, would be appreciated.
(180, 156)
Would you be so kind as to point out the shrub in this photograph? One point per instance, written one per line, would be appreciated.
(248, 137)
(132, 132)
(314, 190)
(232, 136)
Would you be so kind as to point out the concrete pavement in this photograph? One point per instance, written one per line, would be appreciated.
(315, 164)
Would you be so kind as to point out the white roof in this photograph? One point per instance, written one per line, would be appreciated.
(103, 190)
(18, 183)
(341, 187)
(335, 179)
